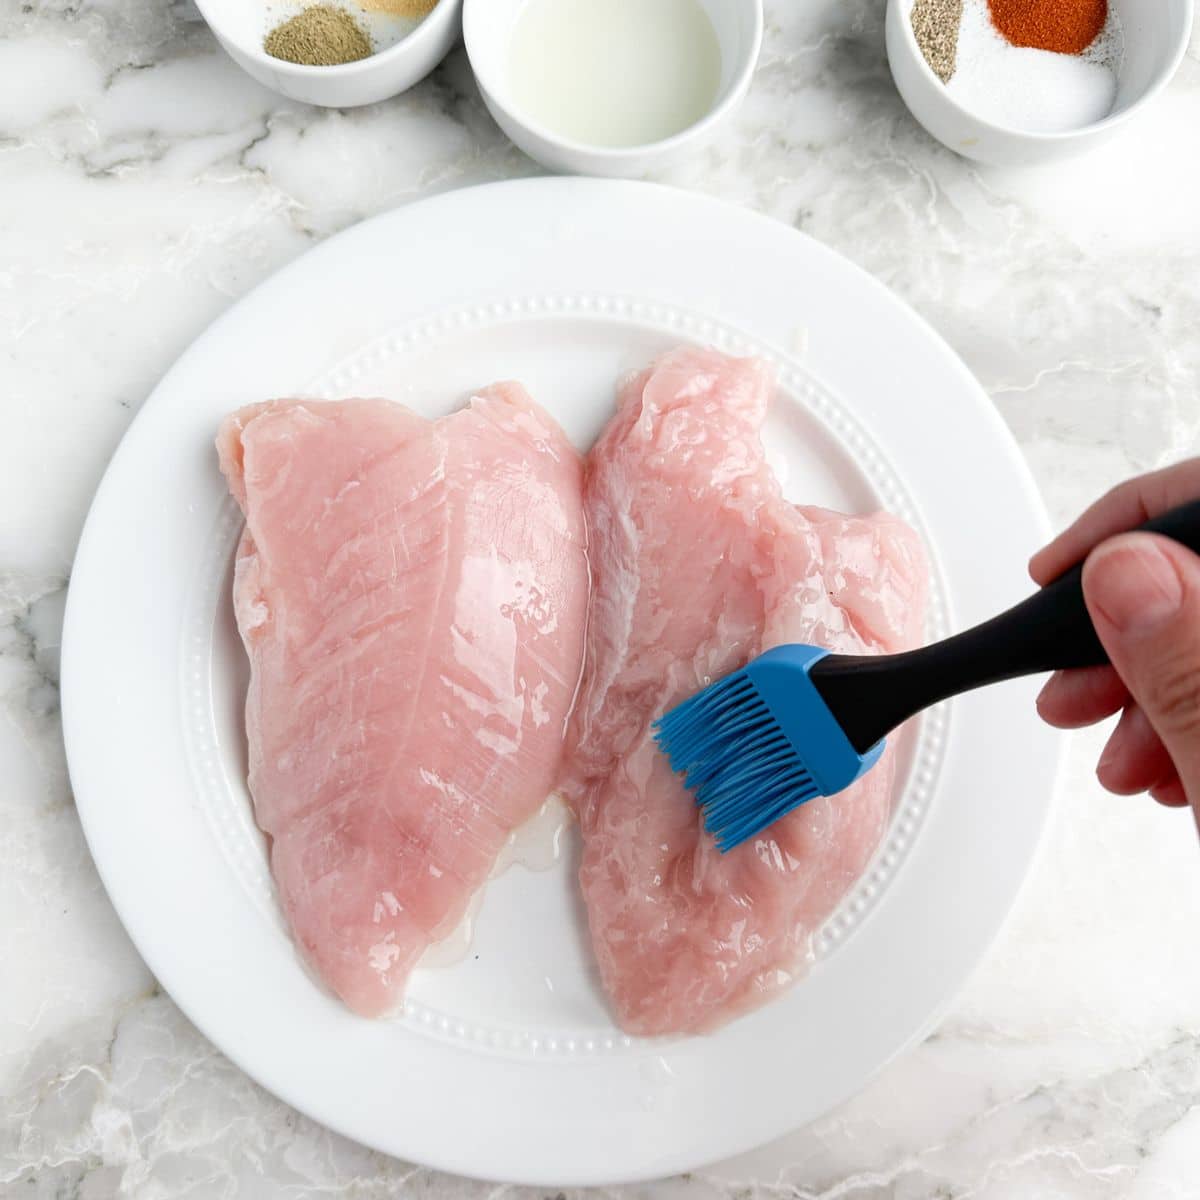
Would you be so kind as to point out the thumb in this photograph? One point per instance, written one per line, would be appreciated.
(1143, 594)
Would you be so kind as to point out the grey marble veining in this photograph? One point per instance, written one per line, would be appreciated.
(145, 182)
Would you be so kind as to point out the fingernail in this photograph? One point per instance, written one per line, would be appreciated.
(1133, 583)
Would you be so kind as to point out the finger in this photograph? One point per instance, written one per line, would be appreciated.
(1170, 795)
(1143, 595)
(1135, 760)
(1072, 699)
(1124, 508)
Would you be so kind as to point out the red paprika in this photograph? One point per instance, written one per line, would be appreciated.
(1065, 26)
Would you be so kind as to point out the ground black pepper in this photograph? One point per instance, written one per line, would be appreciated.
(935, 24)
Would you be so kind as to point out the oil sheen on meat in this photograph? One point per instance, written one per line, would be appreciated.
(699, 564)
(412, 596)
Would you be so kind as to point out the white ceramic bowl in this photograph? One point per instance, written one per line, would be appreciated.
(239, 27)
(487, 28)
(1156, 36)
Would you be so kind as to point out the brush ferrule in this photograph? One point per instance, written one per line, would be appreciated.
(783, 682)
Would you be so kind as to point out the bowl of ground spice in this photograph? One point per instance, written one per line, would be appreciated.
(1012, 82)
(336, 53)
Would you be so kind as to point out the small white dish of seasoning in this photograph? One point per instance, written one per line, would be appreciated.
(1016, 82)
(335, 53)
(612, 87)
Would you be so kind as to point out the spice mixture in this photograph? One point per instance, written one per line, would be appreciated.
(1059, 26)
(1028, 87)
(1045, 66)
(319, 36)
(936, 24)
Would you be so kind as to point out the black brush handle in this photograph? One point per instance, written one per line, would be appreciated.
(1051, 631)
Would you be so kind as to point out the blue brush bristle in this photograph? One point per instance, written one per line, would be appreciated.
(740, 765)
(759, 743)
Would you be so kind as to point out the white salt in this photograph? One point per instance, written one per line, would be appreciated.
(1034, 90)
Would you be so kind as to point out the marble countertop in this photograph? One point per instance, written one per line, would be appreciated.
(145, 182)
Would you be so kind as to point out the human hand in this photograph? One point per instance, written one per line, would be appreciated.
(1143, 594)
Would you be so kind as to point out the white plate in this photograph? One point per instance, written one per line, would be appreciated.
(507, 1065)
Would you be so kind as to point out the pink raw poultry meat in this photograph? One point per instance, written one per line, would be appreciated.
(699, 564)
(412, 596)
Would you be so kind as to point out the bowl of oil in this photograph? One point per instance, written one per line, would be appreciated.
(612, 87)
